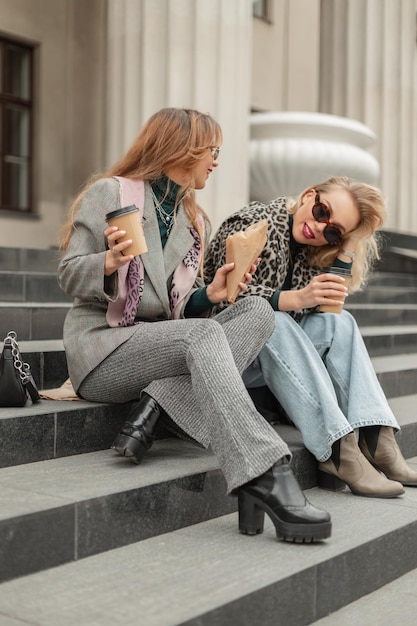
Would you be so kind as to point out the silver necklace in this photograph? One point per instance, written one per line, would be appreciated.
(166, 218)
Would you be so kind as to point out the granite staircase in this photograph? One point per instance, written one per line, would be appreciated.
(87, 538)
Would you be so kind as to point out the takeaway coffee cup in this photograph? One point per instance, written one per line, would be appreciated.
(127, 218)
(339, 271)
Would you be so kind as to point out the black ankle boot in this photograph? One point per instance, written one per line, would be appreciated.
(138, 432)
(278, 494)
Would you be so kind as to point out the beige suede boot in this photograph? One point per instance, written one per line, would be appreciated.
(348, 466)
(379, 445)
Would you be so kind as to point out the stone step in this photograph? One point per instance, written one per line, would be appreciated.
(66, 509)
(49, 366)
(391, 279)
(399, 260)
(397, 373)
(383, 314)
(393, 603)
(42, 285)
(66, 497)
(34, 320)
(34, 306)
(69, 508)
(29, 259)
(404, 410)
(381, 294)
(51, 429)
(82, 505)
(47, 360)
(208, 574)
(31, 287)
(387, 340)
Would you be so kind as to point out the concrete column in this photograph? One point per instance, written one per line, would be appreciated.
(368, 73)
(285, 62)
(185, 53)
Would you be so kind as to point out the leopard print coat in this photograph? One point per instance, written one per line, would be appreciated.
(275, 258)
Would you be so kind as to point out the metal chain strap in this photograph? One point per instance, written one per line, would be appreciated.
(22, 368)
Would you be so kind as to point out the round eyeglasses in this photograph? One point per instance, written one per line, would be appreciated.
(321, 214)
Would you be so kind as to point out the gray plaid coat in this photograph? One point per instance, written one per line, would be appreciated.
(88, 339)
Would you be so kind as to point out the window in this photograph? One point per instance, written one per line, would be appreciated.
(262, 9)
(16, 120)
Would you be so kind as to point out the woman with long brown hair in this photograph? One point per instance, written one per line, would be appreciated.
(139, 329)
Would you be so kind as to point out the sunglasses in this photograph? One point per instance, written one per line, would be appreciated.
(321, 214)
(215, 153)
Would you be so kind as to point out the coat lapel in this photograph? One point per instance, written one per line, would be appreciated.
(160, 263)
(179, 242)
(153, 260)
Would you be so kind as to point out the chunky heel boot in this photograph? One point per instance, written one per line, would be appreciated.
(329, 482)
(347, 465)
(251, 516)
(379, 445)
(138, 432)
(278, 494)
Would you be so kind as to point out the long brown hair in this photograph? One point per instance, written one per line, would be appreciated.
(371, 206)
(171, 137)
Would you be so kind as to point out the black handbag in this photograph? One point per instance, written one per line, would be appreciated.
(16, 380)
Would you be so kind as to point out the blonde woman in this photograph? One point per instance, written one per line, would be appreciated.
(316, 364)
(139, 329)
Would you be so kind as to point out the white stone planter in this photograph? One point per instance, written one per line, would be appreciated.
(289, 151)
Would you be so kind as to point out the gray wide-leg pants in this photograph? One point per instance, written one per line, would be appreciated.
(193, 368)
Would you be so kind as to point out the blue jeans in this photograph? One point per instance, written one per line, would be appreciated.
(321, 373)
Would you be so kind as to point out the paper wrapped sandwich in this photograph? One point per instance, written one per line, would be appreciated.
(242, 249)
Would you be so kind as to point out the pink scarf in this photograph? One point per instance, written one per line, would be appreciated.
(131, 276)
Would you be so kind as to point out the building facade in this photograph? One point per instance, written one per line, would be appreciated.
(78, 79)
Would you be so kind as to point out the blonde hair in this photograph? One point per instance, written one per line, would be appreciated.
(371, 206)
(171, 137)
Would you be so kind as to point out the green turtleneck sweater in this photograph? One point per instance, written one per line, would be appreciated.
(198, 302)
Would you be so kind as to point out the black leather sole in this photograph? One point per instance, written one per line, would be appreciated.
(131, 448)
(251, 522)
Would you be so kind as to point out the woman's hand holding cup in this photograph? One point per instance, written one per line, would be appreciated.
(125, 233)
(336, 282)
(324, 290)
(114, 255)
